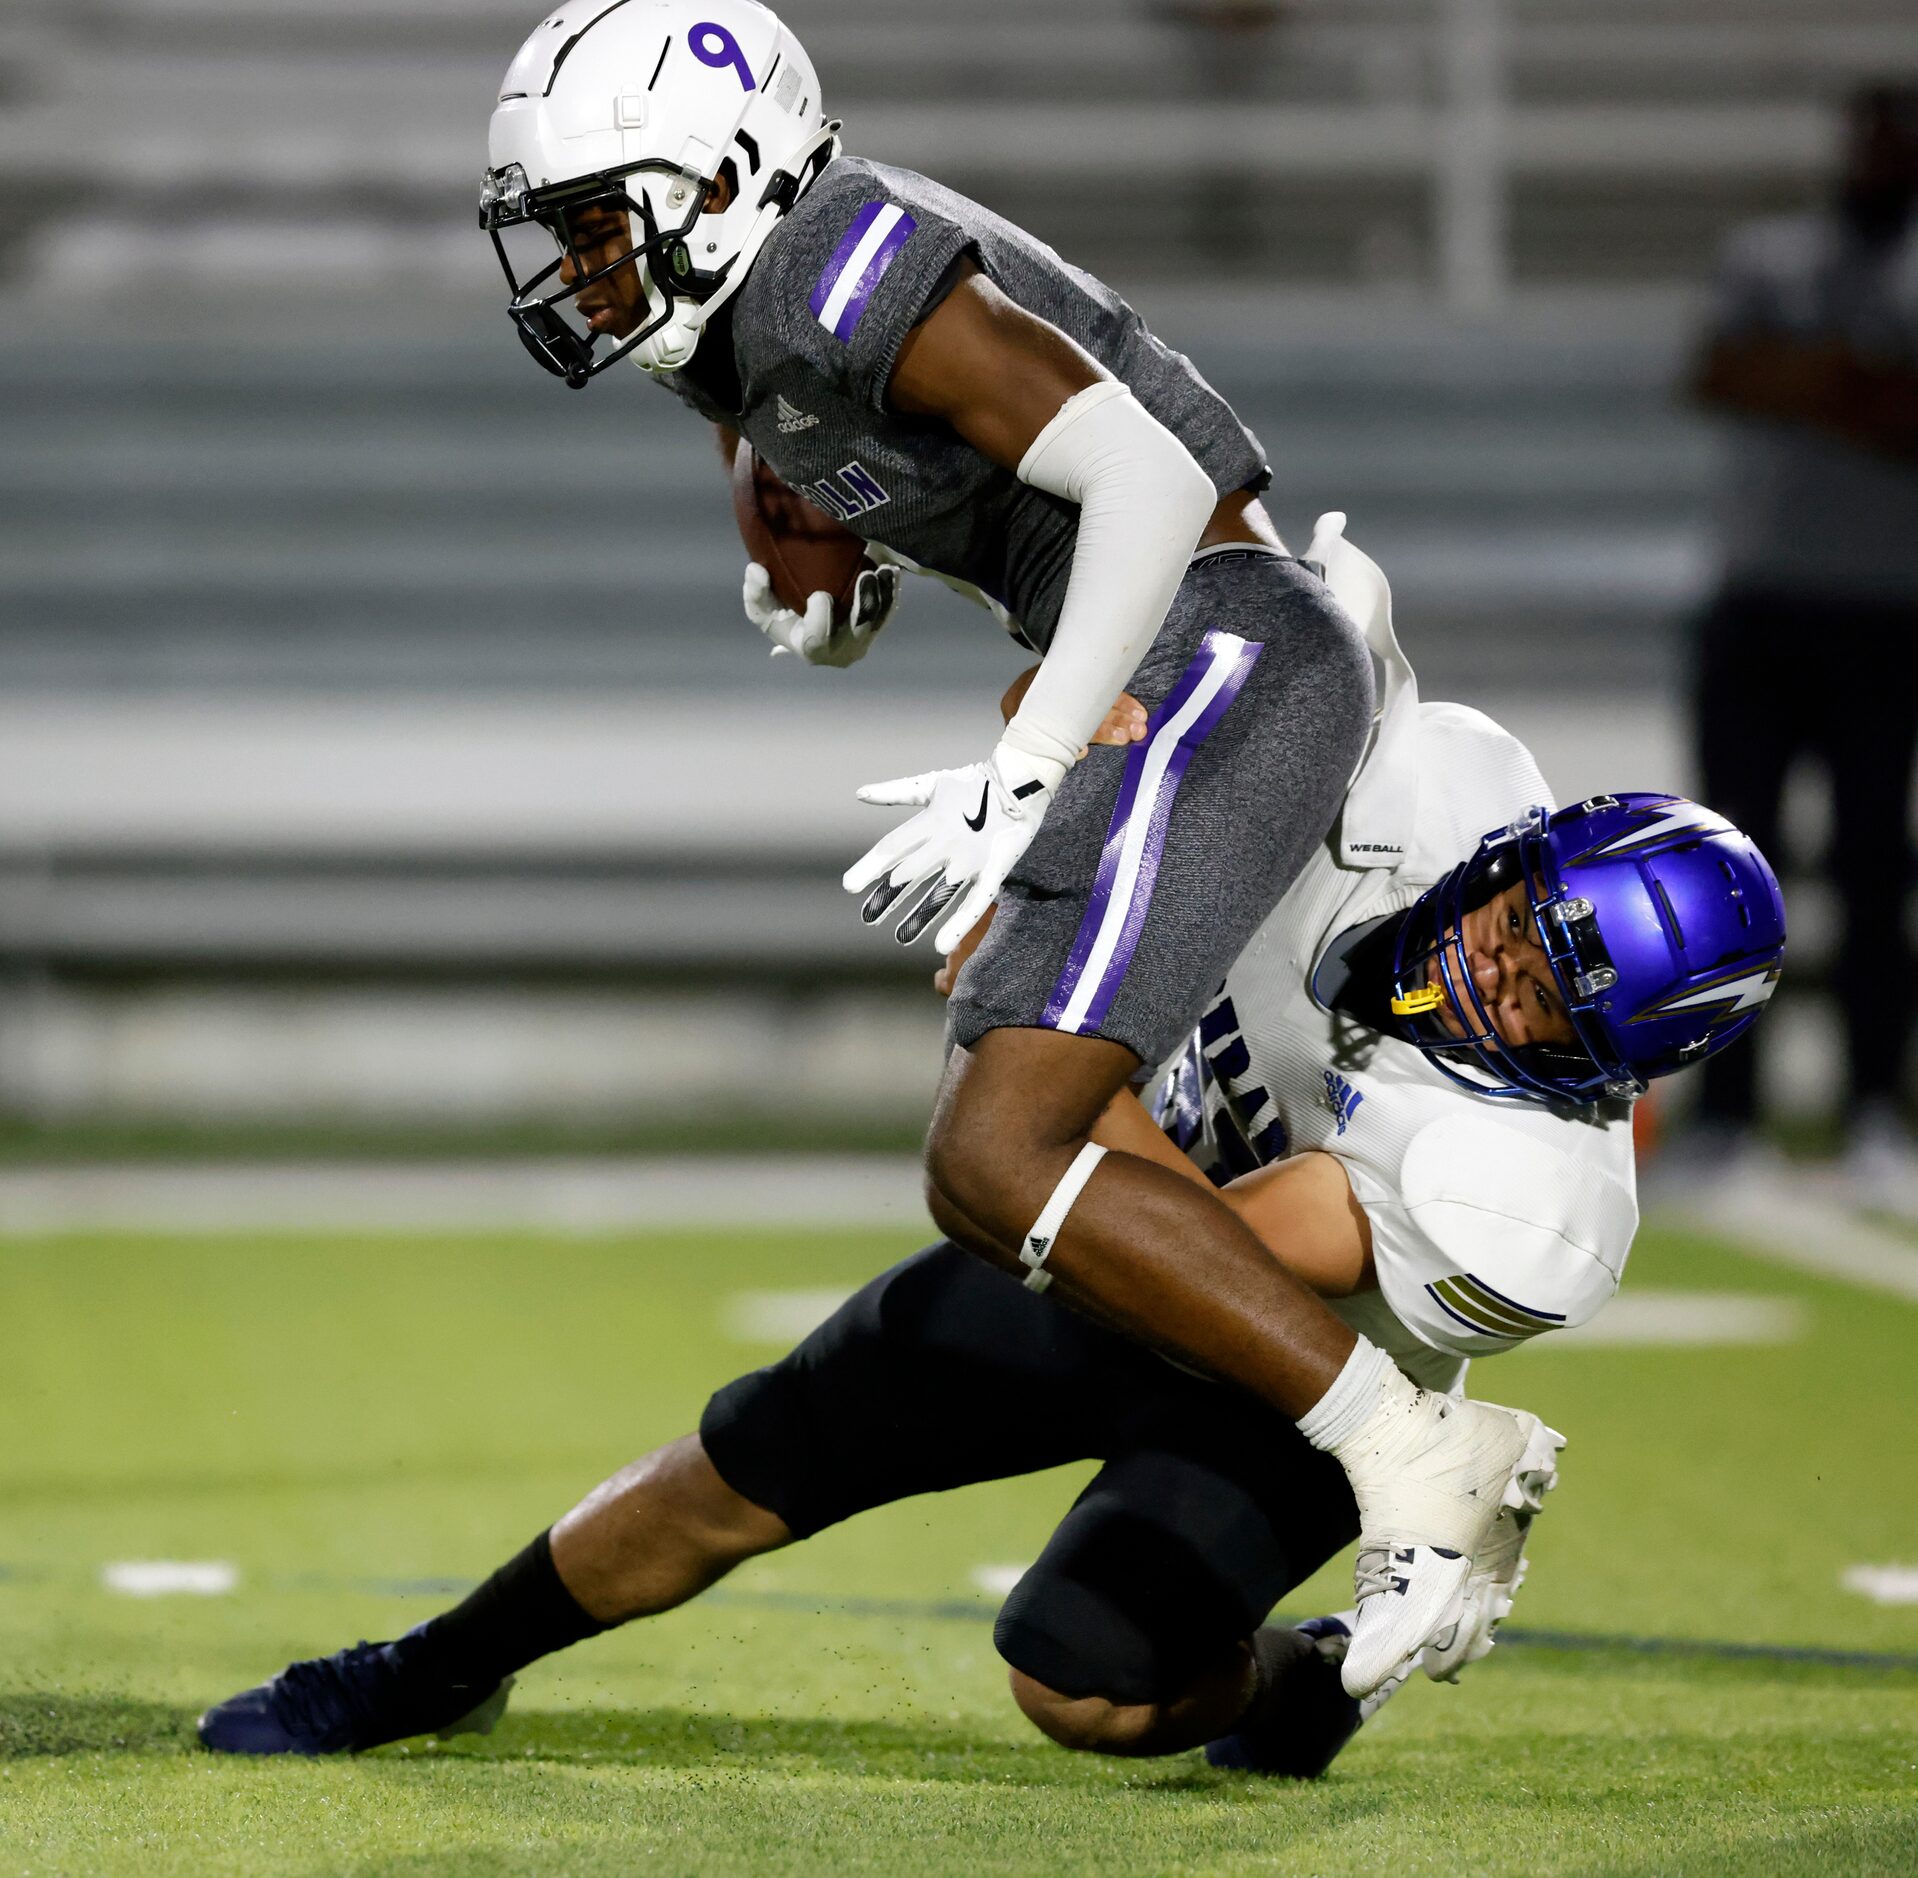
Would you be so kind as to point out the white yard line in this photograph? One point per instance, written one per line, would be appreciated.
(1883, 1584)
(1688, 1318)
(1638, 1318)
(1803, 1222)
(996, 1581)
(582, 1196)
(778, 1316)
(169, 1577)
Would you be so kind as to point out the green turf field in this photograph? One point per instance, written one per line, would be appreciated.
(344, 1422)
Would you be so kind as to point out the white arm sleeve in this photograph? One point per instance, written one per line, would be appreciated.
(1143, 503)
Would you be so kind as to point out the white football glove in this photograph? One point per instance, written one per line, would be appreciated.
(973, 824)
(816, 635)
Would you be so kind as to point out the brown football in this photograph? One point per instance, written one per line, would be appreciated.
(801, 547)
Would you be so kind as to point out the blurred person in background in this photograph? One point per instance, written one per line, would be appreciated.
(1809, 648)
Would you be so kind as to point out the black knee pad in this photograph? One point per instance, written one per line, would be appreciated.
(1068, 1637)
(1119, 1607)
(1161, 1564)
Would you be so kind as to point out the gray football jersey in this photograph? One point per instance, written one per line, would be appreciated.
(816, 330)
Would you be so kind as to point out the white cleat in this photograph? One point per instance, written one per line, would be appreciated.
(1499, 1565)
(1336, 1647)
(1406, 1594)
(1430, 1475)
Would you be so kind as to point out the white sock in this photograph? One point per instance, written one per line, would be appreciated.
(1351, 1401)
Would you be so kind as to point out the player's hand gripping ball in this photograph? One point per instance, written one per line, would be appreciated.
(809, 585)
(821, 635)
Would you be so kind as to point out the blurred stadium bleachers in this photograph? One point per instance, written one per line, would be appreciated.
(358, 686)
(1320, 140)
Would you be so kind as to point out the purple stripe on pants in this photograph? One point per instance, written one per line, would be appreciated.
(1100, 907)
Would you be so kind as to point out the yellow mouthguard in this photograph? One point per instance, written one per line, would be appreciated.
(1417, 1003)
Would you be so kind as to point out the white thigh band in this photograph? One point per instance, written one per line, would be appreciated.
(1045, 1229)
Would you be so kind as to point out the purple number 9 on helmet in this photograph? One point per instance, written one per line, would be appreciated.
(1665, 931)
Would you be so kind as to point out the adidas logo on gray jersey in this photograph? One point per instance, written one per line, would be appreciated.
(791, 418)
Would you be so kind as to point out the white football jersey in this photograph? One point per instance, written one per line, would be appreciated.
(1492, 1220)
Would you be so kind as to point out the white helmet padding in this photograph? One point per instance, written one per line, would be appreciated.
(641, 106)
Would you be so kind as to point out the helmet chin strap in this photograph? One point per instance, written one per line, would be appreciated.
(669, 349)
(673, 346)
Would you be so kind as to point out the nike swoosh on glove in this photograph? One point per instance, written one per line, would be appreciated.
(817, 635)
(973, 824)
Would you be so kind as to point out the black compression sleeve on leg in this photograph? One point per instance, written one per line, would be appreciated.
(521, 1613)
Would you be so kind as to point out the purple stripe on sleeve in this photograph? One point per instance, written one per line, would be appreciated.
(1099, 905)
(849, 242)
(883, 257)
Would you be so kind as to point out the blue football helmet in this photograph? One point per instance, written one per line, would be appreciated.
(1666, 934)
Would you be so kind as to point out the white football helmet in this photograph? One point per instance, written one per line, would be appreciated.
(641, 106)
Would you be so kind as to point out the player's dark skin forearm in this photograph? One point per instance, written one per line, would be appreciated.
(1823, 386)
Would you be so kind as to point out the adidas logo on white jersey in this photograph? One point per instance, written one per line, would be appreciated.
(1341, 1098)
(791, 418)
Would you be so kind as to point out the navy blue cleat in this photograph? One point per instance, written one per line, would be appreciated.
(351, 1701)
(1308, 1717)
